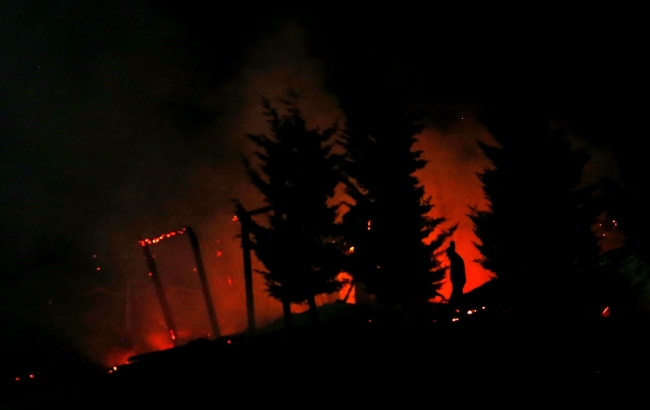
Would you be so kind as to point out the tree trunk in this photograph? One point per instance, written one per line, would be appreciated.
(286, 310)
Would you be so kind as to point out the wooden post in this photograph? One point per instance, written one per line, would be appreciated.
(160, 292)
(245, 220)
(244, 217)
(205, 286)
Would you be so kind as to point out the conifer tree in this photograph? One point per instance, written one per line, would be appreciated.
(536, 234)
(389, 224)
(296, 173)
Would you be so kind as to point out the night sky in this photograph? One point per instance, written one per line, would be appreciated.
(126, 119)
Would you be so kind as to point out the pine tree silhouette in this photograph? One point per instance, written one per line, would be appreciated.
(297, 174)
(390, 222)
(536, 234)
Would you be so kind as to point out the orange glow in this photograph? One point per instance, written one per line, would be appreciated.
(348, 290)
(157, 239)
(351, 250)
(455, 319)
(606, 312)
(116, 356)
(159, 341)
(115, 368)
(453, 188)
(94, 256)
(450, 179)
(31, 376)
(98, 268)
(219, 254)
(172, 334)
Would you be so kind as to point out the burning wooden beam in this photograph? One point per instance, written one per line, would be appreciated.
(160, 292)
(204, 282)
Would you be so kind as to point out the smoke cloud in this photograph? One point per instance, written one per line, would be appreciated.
(117, 125)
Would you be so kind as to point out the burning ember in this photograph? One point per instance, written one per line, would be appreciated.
(157, 239)
(606, 312)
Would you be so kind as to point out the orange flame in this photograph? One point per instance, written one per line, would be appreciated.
(606, 312)
(157, 239)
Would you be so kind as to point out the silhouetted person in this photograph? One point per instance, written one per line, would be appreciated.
(456, 273)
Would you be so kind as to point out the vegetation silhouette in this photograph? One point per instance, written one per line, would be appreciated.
(299, 245)
(536, 234)
(389, 225)
(626, 205)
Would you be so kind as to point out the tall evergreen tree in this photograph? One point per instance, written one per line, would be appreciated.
(297, 174)
(536, 234)
(390, 223)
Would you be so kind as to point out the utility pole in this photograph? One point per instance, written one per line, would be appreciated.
(244, 218)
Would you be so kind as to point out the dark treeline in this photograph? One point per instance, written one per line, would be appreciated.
(382, 241)
(536, 235)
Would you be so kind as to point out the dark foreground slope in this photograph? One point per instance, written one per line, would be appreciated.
(375, 358)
